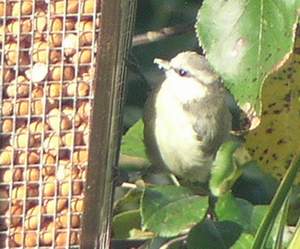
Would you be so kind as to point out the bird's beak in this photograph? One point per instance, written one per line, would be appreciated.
(162, 64)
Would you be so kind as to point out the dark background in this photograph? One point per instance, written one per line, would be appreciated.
(143, 74)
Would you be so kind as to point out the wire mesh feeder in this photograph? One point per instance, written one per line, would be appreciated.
(48, 93)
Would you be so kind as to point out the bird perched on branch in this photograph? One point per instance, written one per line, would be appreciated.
(186, 118)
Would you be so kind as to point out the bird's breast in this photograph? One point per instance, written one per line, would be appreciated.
(176, 139)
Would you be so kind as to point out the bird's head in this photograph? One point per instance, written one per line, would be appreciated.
(189, 76)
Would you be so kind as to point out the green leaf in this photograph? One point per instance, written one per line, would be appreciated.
(169, 210)
(254, 185)
(131, 200)
(279, 226)
(244, 40)
(257, 215)
(133, 141)
(214, 235)
(234, 209)
(124, 222)
(244, 242)
(277, 202)
(225, 170)
(295, 242)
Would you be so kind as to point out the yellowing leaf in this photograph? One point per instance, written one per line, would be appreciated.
(276, 139)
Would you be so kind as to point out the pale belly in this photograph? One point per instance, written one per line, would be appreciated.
(177, 142)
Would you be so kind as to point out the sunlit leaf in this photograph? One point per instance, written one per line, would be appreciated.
(244, 242)
(225, 170)
(275, 140)
(169, 210)
(244, 40)
(132, 142)
(234, 209)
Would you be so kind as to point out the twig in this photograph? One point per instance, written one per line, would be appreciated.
(173, 241)
(153, 36)
(134, 65)
(128, 185)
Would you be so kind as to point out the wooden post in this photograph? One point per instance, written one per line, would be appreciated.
(106, 128)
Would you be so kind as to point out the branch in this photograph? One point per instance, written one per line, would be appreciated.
(153, 36)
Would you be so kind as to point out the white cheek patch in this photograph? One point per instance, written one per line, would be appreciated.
(184, 89)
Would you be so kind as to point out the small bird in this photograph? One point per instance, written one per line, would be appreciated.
(186, 118)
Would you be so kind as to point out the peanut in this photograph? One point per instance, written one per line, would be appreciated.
(13, 54)
(41, 53)
(47, 234)
(66, 170)
(70, 23)
(37, 107)
(40, 21)
(83, 56)
(74, 117)
(56, 27)
(10, 175)
(17, 27)
(80, 89)
(70, 139)
(5, 9)
(32, 174)
(22, 8)
(14, 215)
(20, 90)
(38, 127)
(37, 92)
(7, 76)
(7, 125)
(4, 204)
(55, 73)
(32, 217)
(70, 44)
(55, 206)
(6, 156)
(32, 157)
(22, 107)
(54, 90)
(84, 110)
(80, 156)
(86, 28)
(63, 220)
(16, 237)
(38, 72)
(20, 192)
(57, 122)
(52, 144)
(49, 186)
(59, 7)
(30, 238)
(64, 188)
(48, 165)
(7, 108)
(22, 139)
(61, 238)
(77, 205)
(88, 6)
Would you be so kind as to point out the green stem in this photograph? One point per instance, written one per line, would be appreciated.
(276, 204)
(282, 221)
(295, 242)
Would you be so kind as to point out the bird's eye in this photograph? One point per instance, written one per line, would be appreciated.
(182, 72)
